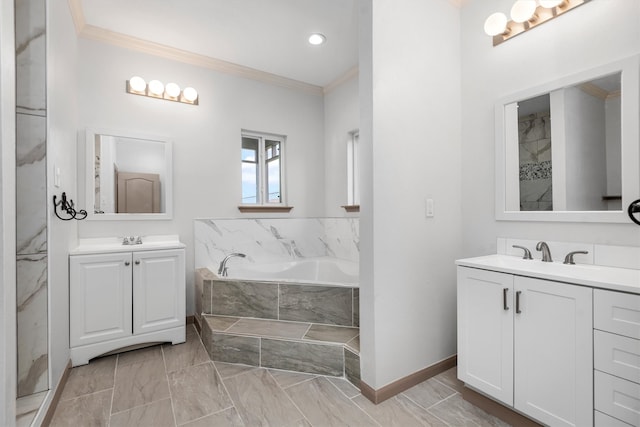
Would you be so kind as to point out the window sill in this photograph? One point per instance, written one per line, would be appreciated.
(263, 208)
(351, 208)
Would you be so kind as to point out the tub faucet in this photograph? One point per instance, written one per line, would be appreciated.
(222, 270)
(546, 253)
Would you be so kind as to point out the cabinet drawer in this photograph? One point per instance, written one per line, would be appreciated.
(617, 355)
(604, 420)
(617, 312)
(617, 397)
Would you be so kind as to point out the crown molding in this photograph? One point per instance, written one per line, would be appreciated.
(133, 43)
(342, 79)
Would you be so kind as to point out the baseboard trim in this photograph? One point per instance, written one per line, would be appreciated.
(398, 386)
(496, 409)
(56, 397)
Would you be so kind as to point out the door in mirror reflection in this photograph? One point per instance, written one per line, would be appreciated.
(569, 148)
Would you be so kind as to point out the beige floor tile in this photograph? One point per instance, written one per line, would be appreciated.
(328, 333)
(228, 370)
(189, 353)
(450, 378)
(98, 375)
(227, 418)
(428, 393)
(288, 378)
(354, 344)
(269, 328)
(197, 391)
(324, 405)
(458, 412)
(398, 412)
(138, 356)
(156, 414)
(260, 401)
(345, 387)
(139, 384)
(91, 410)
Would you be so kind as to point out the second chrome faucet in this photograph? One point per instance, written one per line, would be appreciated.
(546, 253)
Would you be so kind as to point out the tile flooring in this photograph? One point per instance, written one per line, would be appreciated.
(178, 385)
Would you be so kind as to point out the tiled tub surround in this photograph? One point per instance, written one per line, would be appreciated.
(298, 327)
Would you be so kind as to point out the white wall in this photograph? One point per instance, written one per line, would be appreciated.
(61, 152)
(410, 135)
(341, 116)
(579, 40)
(7, 216)
(206, 138)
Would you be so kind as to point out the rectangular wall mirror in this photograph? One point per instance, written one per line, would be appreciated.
(569, 150)
(128, 176)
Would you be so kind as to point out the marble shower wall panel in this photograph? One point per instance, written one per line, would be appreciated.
(32, 323)
(31, 200)
(30, 57)
(31, 196)
(534, 146)
(275, 240)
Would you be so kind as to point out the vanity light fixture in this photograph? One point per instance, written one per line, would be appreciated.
(136, 85)
(525, 15)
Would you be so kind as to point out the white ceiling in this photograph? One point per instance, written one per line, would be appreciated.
(267, 35)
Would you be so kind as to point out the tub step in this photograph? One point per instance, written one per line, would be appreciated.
(295, 346)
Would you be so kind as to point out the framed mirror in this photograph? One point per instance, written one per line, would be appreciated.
(127, 176)
(569, 150)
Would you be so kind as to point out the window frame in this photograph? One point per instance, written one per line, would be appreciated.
(262, 199)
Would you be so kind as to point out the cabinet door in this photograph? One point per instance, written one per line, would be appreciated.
(553, 352)
(485, 332)
(99, 297)
(158, 290)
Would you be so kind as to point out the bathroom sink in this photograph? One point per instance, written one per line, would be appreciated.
(622, 279)
(114, 244)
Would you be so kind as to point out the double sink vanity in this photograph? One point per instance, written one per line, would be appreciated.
(558, 343)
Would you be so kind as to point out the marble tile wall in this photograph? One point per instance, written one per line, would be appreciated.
(276, 239)
(534, 138)
(31, 199)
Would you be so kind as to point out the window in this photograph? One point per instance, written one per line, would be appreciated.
(262, 169)
(353, 169)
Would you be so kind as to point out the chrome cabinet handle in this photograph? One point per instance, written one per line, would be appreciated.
(518, 311)
(137, 262)
(504, 299)
(127, 263)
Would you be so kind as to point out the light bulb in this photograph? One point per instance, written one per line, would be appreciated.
(549, 4)
(317, 39)
(156, 87)
(173, 90)
(137, 84)
(190, 94)
(523, 10)
(495, 24)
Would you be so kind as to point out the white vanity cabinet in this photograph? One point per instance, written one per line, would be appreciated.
(120, 299)
(528, 343)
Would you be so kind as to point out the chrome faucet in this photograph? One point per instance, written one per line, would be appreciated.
(222, 270)
(546, 254)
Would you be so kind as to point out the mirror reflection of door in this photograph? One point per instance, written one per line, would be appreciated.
(138, 193)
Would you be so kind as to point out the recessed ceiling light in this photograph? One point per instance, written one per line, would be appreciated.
(317, 39)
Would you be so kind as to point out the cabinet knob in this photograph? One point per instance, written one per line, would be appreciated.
(127, 263)
(137, 262)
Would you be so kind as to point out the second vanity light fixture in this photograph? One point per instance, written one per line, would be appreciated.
(155, 89)
(525, 15)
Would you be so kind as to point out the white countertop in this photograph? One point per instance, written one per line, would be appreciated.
(114, 244)
(597, 276)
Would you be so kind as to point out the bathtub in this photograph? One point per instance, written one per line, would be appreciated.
(325, 270)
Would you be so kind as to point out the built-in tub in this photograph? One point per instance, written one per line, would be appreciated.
(322, 271)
